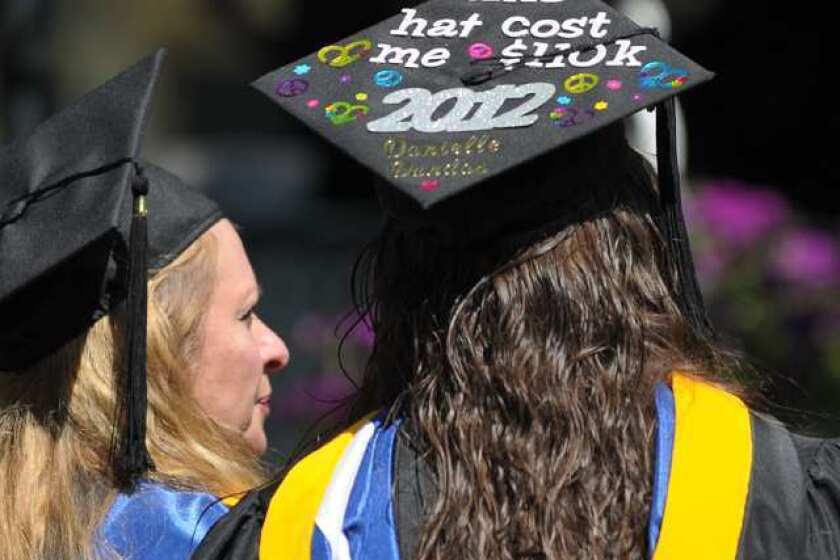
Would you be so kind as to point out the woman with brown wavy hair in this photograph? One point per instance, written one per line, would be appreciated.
(526, 366)
(540, 393)
(545, 383)
(125, 397)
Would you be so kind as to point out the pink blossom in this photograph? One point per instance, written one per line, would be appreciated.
(808, 257)
(363, 333)
(709, 263)
(737, 214)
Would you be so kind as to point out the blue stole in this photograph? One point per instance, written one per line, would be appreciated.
(665, 421)
(158, 522)
(356, 517)
(359, 524)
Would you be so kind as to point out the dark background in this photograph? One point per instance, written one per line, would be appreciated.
(768, 120)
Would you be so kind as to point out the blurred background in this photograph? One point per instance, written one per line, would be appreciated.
(760, 165)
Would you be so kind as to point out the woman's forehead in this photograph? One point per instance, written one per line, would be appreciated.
(234, 273)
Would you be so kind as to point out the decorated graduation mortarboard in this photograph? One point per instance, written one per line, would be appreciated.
(82, 222)
(441, 98)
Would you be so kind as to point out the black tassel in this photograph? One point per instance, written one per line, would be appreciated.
(672, 222)
(129, 456)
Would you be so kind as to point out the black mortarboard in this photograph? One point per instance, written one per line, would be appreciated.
(443, 97)
(82, 219)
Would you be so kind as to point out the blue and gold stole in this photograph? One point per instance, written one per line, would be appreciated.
(710, 474)
(336, 503)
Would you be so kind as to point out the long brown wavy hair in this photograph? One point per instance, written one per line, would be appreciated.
(525, 363)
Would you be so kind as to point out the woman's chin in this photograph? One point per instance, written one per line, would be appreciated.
(256, 439)
(254, 434)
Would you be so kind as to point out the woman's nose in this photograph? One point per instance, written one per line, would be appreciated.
(274, 349)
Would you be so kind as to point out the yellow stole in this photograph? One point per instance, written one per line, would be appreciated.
(710, 474)
(290, 521)
(704, 510)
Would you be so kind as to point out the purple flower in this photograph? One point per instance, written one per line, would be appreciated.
(738, 214)
(808, 257)
(709, 263)
(358, 329)
(363, 333)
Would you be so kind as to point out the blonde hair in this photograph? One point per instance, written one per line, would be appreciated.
(56, 422)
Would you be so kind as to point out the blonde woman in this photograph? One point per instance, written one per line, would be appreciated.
(119, 438)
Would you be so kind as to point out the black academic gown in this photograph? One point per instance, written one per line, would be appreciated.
(790, 509)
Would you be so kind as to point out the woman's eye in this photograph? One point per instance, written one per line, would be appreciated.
(248, 316)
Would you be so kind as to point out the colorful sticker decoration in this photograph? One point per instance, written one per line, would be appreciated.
(569, 117)
(614, 85)
(302, 69)
(430, 185)
(659, 75)
(581, 83)
(313, 103)
(480, 51)
(557, 114)
(345, 78)
(361, 96)
(339, 56)
(388, 78)
(342, 112)
(565, 100)
(291, 88)
(601, 105)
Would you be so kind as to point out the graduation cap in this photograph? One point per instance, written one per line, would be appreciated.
(442, 99)
(82, 220)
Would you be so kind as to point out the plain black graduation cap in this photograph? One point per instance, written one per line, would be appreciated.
(82, 222)
(441, 98)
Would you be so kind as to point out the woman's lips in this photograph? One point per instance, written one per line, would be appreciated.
(265, 402)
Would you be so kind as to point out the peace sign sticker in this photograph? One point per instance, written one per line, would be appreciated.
(339, 56)
(567, 117)
(291, 88)
(342, 112)
(581, 83)
(659, 75)
(388, 78)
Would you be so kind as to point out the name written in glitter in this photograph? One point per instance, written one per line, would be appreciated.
(452, 157)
